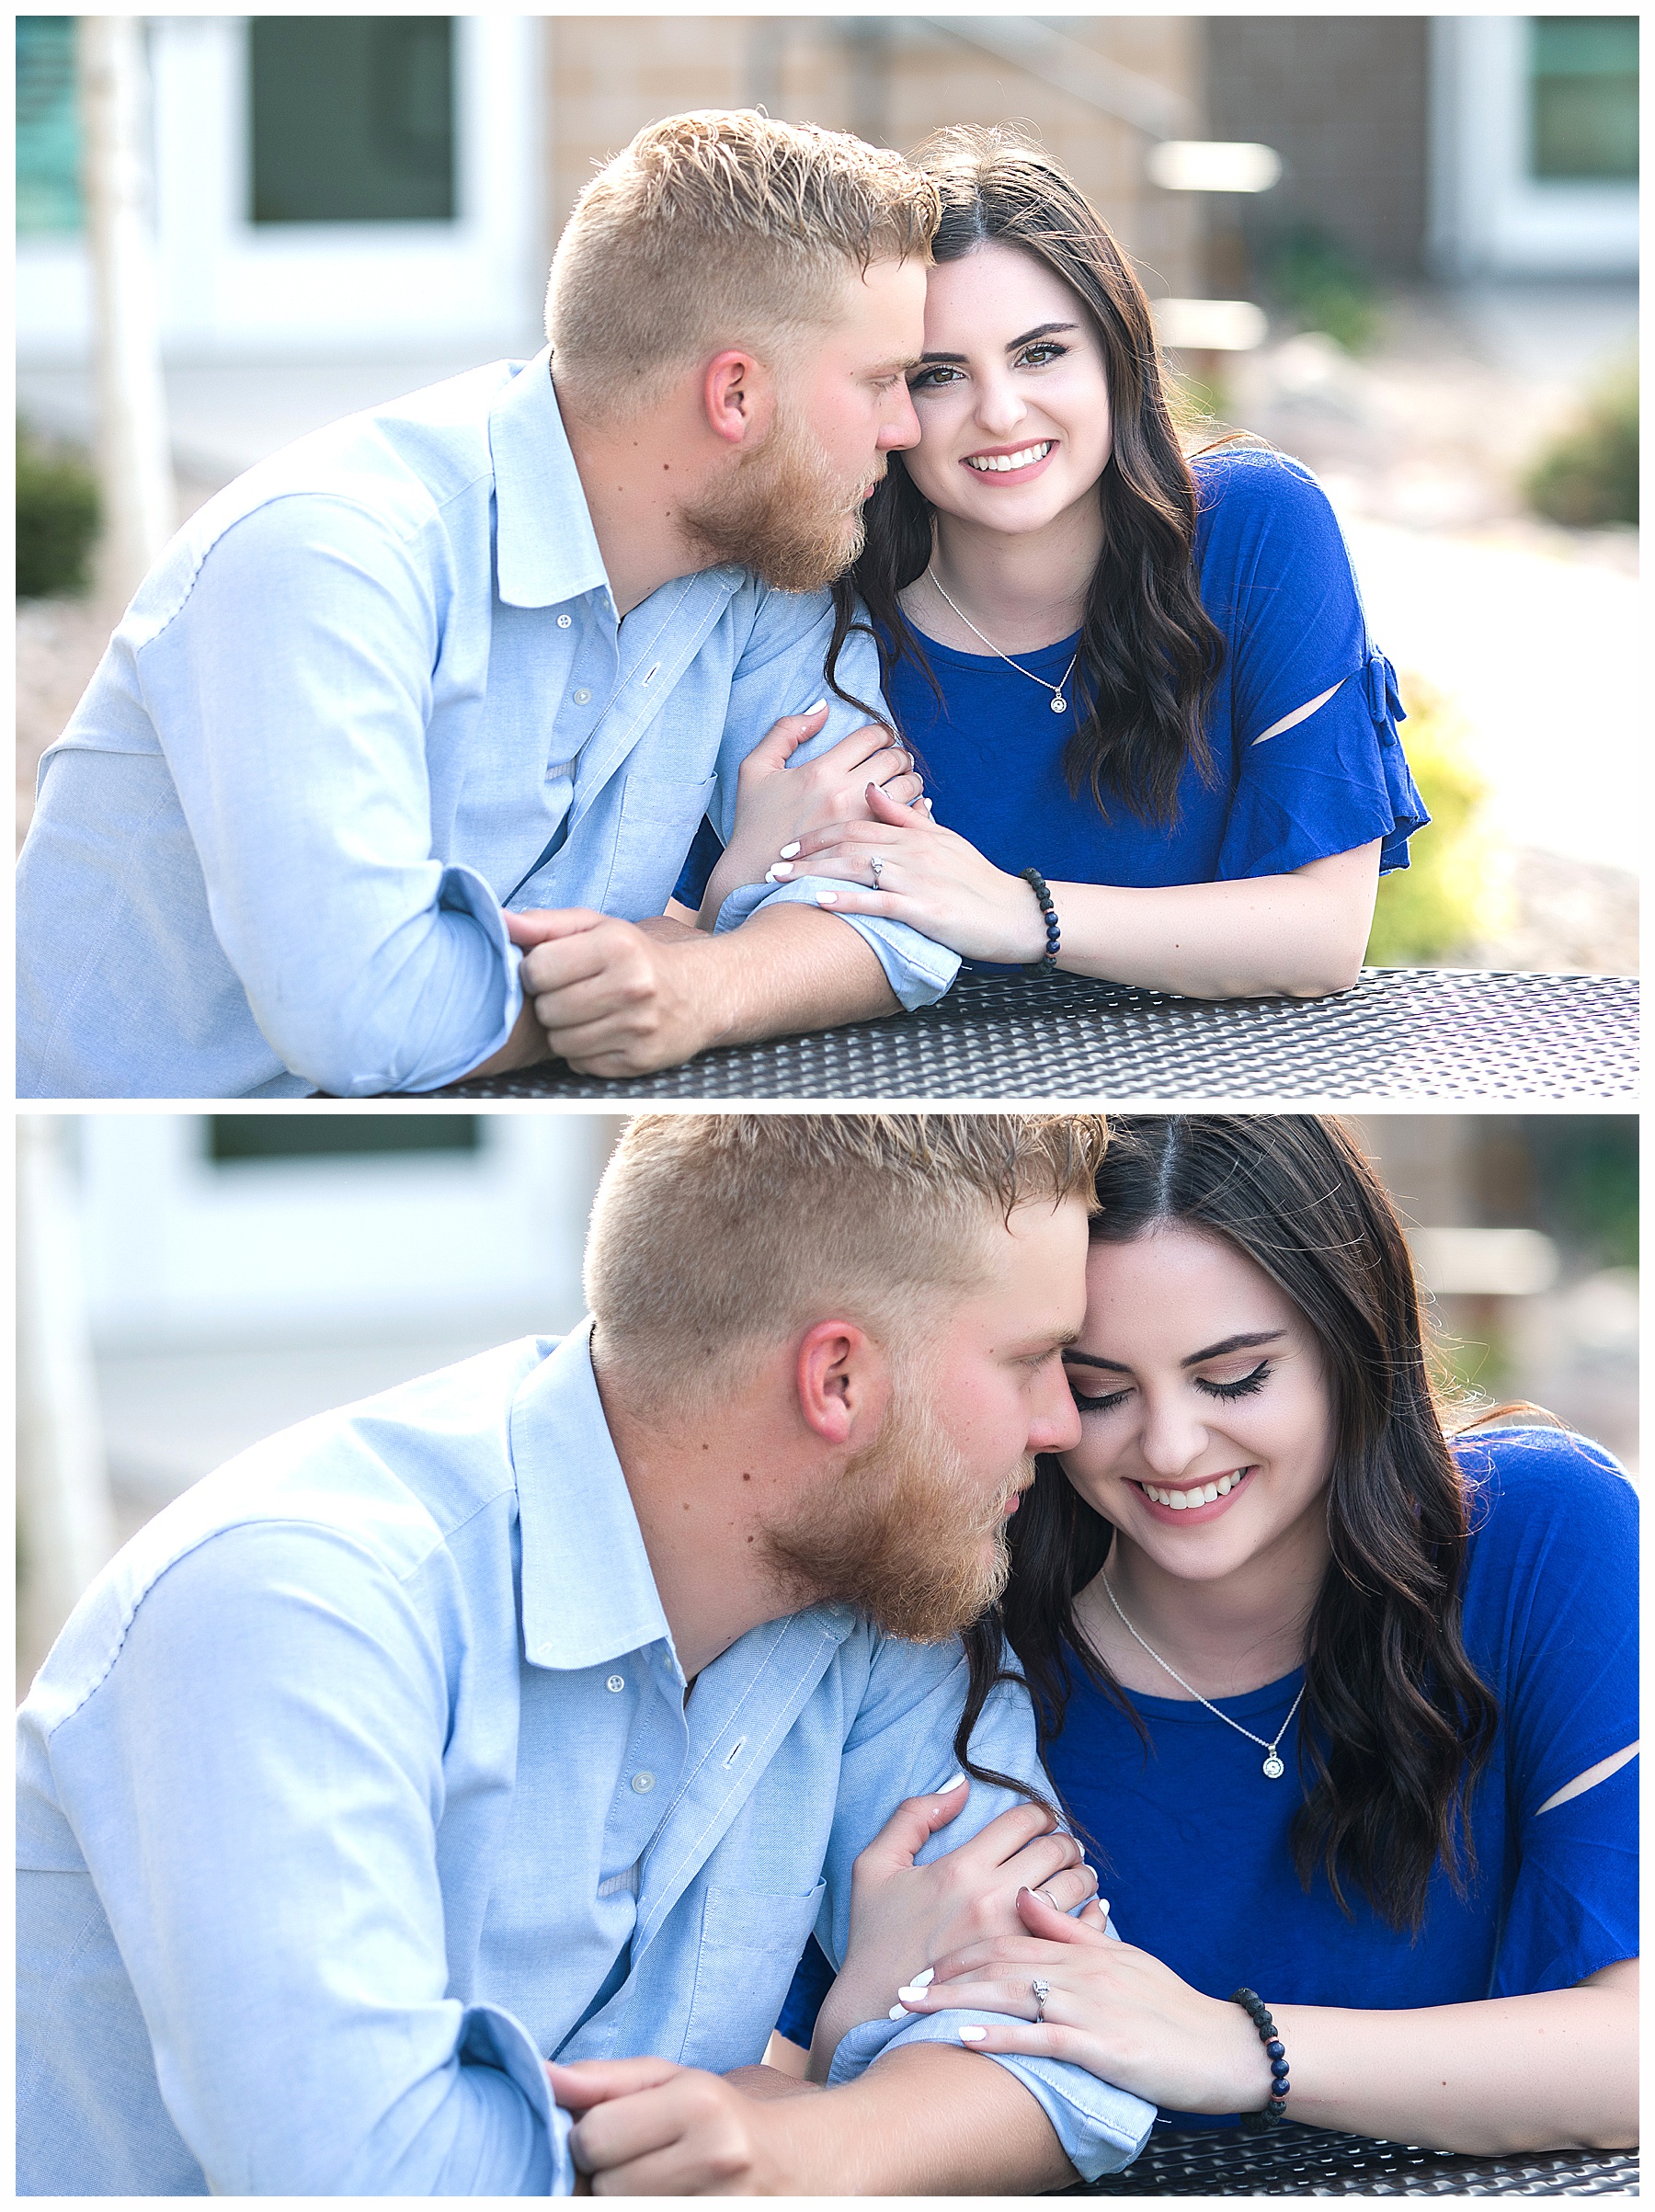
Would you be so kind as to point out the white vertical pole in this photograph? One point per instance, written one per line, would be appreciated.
(135, 457)
(65, 1520)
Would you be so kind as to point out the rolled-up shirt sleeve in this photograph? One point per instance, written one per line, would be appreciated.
(902, 1746)
(292, 692)
(256, 1785)
(781, 673)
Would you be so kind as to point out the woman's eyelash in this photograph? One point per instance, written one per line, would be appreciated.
(925, 379)
(1095, 1405)
(1243, 1387)
(1038, 356)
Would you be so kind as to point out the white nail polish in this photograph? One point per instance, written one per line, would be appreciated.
(952, 1784)
(897, 2013)
(1103, 1907)
(790, 852)
(826, 898)
(816, 708)
(778, 869)
(973, 2035)
(924, 1981)
(910, 1995)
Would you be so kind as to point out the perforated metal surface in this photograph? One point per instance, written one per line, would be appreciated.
(1312, 2161)
(1401, 1034)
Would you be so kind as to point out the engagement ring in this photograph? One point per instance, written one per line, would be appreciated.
(877, 865)
(1042, 1989)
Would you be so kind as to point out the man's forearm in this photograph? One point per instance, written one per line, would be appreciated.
(925, 2121)
(789, 968)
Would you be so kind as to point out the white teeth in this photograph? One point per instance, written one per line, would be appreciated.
(1184, 1501)
(1001, 463)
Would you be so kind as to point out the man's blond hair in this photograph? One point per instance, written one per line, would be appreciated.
(719, 228)
(716, 1237)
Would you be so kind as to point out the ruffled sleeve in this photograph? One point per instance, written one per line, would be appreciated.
(1574, 1904)
(1276, 577)
(1335, 781)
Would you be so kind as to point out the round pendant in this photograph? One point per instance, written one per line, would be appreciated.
(1058, 702)
(1273, 1768)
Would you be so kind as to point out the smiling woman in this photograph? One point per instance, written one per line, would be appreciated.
(1341, 1692)
(1141, 679)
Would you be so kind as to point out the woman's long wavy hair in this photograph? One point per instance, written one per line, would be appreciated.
(1149, 653)
(1399, 1722)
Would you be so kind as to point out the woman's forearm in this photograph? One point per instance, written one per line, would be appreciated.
(1297, 936)
(1505, 2074)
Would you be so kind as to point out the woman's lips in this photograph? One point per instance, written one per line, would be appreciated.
(1185, 1516)
(1025, 474)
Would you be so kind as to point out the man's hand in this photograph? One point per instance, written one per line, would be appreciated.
(650, 2128)
(623, 999)
(614, 997)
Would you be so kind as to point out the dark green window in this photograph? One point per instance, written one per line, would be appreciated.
(272, 1136)
(49, 193)
(353, 119)
(1583, 98)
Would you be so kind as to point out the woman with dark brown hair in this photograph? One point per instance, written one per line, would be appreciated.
(1344, 1699)
(1160, 743)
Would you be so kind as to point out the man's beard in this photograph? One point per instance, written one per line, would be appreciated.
(902, 1533)
(781, 513)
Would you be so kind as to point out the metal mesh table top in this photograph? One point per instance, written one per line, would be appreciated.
(1314, 2161)
(1401, 1033)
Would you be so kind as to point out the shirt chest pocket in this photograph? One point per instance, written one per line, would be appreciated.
(659, 819)
(750, 1942)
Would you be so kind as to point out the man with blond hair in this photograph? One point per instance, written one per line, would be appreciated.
(435, 1800)
(392, 765)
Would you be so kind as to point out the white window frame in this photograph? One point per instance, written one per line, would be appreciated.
(183, 1252)
(1489, 215)
(233, 289)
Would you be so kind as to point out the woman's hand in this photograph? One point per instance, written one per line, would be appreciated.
(903, 1915)
(928, 876)
(1113, 2009)
(777, 806)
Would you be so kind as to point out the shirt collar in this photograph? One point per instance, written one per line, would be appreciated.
(587, 1591)
(545, 547)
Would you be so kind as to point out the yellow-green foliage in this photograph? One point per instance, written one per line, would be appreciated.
(1440, 903)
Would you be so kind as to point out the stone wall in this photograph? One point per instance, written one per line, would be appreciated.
(892, 79)
(1344, 101)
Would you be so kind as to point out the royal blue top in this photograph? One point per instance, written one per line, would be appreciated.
(1276, 576)
(1194, 1841)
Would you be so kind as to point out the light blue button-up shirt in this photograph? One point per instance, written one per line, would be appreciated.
(372, 694)
(362, 1780)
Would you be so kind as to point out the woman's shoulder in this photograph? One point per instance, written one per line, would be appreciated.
(1246, 495)
(1530, 1483)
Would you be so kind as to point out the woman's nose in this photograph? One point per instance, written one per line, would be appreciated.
(999, 406)
(1174, 1435)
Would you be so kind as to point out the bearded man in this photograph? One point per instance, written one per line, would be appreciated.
(391, 767)
(537, 1710)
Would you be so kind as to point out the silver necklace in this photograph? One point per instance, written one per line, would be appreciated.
(1058, 701)
(1273, 1768)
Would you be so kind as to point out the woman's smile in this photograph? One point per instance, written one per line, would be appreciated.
(1194, 1502)
(1006, 463)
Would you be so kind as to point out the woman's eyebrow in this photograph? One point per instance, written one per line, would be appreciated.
(1242, 1343)
(1213, 1351)
(1040, 330)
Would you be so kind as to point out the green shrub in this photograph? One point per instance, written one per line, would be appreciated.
(1322, 288)
(1589, 475)
(1440, 903)
(57, 520)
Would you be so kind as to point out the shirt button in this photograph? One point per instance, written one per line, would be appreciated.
(582, 696)
(563, 622)
(644, 1783)
(616, 1682)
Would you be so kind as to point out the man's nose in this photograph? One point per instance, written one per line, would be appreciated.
(900, 428)
(1056, 1423)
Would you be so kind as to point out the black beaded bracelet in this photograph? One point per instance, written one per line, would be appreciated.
(1048, 966)
(1275, 2050)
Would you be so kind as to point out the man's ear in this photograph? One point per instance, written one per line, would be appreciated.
(840, 1381)
(738, 396)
